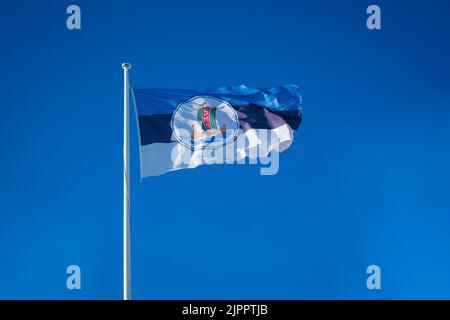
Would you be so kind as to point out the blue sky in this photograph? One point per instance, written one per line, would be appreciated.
(366, 181)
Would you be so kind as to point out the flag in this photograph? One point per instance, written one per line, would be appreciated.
(184, 128)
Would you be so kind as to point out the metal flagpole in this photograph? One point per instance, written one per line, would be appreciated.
(126, 187)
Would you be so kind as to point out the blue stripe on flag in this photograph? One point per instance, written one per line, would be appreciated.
(164, 101)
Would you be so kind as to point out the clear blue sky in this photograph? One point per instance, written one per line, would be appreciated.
(367, 180)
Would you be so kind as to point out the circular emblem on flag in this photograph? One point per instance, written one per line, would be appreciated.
(204, 122)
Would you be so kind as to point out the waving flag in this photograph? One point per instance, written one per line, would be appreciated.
(182, 128)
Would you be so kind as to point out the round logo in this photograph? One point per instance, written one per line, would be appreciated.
(204, 122)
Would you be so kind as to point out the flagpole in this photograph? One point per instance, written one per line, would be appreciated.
(126, 187)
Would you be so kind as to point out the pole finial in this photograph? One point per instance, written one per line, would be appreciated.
(126, 65)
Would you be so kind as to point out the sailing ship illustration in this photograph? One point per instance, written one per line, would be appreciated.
(206, 128)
